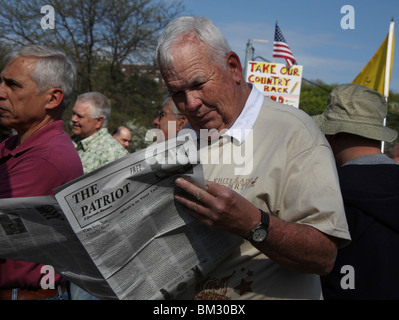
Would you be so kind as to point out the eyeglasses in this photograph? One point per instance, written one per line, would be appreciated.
(162, 114)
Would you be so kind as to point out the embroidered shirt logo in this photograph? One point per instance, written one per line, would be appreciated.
(237, 183)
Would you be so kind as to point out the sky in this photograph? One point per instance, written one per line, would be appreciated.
(312, 29)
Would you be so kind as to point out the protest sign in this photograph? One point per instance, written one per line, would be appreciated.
(276, 80)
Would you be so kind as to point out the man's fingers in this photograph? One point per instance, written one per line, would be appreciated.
(194, 198)
(193, 190)
(211, 187)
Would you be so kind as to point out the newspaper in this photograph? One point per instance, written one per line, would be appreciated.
(126, 237)
(36, 230)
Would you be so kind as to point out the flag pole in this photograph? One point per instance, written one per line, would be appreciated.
(389, 58)
(275, 31)
(387, 70)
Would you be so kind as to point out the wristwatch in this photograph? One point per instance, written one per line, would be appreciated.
(259, 233)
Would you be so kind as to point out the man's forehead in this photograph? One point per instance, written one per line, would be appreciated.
(182, 75)
(190, 67)
(81, 107)
(24, 62)
(185, 42)
(19, 66)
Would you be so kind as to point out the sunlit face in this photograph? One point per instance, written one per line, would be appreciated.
(21, 106)
(83, 123)
(207, 95)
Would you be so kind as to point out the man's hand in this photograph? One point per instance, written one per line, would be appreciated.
(298, 247)
(219, 207)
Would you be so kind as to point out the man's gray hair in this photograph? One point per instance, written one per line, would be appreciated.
(173, 107)
(200, 27)
(54, 69)
(99, 105)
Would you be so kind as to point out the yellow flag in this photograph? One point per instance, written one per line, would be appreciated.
(373, 74)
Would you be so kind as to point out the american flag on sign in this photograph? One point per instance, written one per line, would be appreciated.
(281, 48)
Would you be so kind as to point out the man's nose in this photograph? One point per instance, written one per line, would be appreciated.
(193, 101)
(155, 123)
(3, 93)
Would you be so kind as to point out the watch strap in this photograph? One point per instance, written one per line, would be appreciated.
(264, 219)
(264, 222)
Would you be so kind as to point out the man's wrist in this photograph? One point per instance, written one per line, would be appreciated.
(261, 231)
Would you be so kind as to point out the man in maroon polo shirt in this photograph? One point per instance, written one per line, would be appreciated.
(36, 86)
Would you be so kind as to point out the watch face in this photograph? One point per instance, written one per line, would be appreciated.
(259, 235)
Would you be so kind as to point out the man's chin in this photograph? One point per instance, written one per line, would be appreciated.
(213, 125)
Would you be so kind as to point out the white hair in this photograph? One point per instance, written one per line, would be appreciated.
(99, 105)
(200, 27)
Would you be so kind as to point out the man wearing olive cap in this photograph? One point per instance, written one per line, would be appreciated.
(353, 124)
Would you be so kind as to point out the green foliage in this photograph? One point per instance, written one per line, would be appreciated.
(393, 123)
(138, 136)
(135, 97)
(314, 97)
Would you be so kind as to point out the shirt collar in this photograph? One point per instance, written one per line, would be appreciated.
(85, 143)
(379, 158)
(246, 120)
(42, 135)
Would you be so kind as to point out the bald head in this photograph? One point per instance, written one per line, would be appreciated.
(123, 136)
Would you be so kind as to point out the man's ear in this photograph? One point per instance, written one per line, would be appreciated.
(234, 65)
(55, 97)
(181, 123)
(100, 121)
